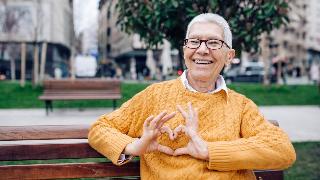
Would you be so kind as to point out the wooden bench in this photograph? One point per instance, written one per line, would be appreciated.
(64, 142)
(80, 89)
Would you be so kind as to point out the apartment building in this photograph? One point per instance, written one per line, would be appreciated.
(121, 52)
(298, 42)
(43, 27)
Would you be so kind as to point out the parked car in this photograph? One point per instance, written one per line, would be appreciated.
(250, 72)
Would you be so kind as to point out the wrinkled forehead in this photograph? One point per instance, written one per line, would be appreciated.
(206, 30)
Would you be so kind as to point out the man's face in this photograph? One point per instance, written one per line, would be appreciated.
(205, 64)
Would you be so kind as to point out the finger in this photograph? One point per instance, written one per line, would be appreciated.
(194, 112)
(181, 151)
(180, 128)
(191, 133)
(165, 149)
(166, 129)
(196, 118)
(165, 119)
(184, 114)
(154, 122)
(191, 111)
(147, 121)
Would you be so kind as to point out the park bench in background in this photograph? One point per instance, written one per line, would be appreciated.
(64, 142)
(80, 89)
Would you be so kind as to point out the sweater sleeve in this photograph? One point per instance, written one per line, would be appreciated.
(111, 133)
(261, 146)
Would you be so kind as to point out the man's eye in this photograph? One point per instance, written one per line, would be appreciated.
(213, 43)
(194, 41)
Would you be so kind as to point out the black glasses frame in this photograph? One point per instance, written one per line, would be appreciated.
(205, 42)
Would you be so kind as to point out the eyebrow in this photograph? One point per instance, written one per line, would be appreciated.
(210, 37)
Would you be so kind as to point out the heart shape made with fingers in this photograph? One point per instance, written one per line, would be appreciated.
(172, 134)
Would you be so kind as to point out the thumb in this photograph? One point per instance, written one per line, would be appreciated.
(181, 151)
(164, 149)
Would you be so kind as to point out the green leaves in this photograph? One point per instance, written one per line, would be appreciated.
(158, 19)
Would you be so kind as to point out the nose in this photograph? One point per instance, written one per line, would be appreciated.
(202, 49)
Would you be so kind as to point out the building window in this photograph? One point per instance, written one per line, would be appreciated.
(298, 47)
(304, 6)
(108, 31)
(285, 44)
(108, 14)
(108, 48)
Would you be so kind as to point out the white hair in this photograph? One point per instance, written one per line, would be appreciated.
(214, 18)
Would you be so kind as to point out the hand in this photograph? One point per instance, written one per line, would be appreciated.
(148, 141)
(196, 147)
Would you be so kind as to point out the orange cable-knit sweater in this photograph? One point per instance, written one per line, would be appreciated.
(238, 136)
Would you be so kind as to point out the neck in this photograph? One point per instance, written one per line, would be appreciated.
(201, 85)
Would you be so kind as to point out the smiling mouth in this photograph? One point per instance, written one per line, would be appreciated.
(201, 61)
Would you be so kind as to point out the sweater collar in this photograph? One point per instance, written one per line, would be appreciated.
(220, 84)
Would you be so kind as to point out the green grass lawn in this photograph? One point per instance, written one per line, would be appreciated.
(306, 167)
(14, 96)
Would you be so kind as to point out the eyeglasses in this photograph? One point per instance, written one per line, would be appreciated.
(212, 44)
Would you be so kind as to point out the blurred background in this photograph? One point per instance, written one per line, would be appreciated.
(276, 41)
(277, 62)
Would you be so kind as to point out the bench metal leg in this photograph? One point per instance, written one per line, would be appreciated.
(114, 104)
(48, 106)
(51, 108)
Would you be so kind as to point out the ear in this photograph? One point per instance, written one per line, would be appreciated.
(183, 52)
(230, 55)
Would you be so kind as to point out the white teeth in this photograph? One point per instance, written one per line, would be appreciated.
(200, 61)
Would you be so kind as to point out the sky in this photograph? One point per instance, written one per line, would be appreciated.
(85, 13)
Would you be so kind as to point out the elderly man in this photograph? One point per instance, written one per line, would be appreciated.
(194, 127)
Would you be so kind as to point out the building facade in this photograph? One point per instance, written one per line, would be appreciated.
(125, 55)
(296, 44)
(313, 35)
(46, 29)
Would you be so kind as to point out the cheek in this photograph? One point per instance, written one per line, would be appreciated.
(187, 55)
(220, 57)
(220, 62)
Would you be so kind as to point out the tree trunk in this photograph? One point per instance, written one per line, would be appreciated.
(265, 51)
(72, 63)
(23, 65)
(43, 61)
(279, 72)
(35, 65)
(3, 48)
(12, 69)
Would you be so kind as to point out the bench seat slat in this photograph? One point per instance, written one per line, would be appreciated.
(68, 170)
(269, 174)
(42, 132)
(46, 151)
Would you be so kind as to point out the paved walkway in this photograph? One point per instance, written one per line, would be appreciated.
(302, 123)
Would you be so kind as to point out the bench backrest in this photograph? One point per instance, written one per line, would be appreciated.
(82, 86)
(63, 142)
